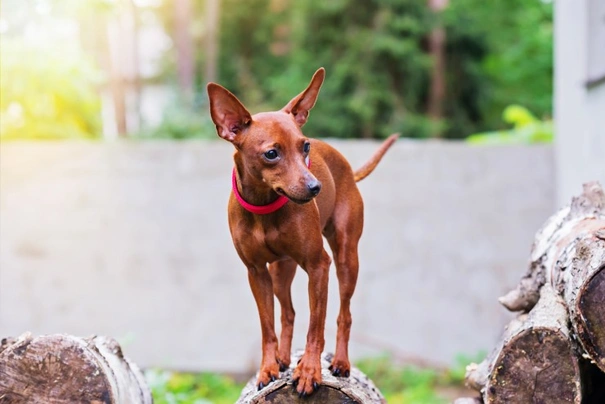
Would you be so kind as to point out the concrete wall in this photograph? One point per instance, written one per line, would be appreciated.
(579, 94)
(131, 240)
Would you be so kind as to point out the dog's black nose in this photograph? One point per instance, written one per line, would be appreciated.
(314, 187)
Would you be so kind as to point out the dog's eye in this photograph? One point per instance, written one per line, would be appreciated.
(306, 147)
(271, 154)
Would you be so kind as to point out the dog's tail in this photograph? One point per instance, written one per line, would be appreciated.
(371, 164)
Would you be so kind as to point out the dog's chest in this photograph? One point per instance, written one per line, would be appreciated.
(264, 241)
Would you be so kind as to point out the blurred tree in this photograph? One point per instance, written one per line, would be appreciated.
(507, 45)
(424, 69)
(48, 86)
(184, 48)
(372, 50)
(211, 40)
(437, 52)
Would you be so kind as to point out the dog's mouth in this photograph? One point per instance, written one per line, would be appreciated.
(299, 201)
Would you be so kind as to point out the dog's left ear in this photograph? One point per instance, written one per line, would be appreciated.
(300, 105)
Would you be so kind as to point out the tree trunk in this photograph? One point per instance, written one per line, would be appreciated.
(569, 254)
(356, 388)
(184, 47)
(66, 369)
(535, 361)
(437, 51)
(211, 40)
(113, 63)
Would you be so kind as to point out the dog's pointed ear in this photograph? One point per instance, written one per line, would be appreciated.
(300, 105)
(227, 112)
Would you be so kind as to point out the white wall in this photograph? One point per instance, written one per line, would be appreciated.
(131, 240)
(579, 108)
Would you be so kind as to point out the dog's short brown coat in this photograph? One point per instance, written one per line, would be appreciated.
(270, 160)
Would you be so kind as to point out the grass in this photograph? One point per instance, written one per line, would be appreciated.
(399, 384)
(188, 388)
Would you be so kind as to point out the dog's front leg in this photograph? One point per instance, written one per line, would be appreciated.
(262, 289)
(307, 374)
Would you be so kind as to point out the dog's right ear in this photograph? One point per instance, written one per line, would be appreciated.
(227, 112)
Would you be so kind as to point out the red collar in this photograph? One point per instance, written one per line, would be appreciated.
(260, 209)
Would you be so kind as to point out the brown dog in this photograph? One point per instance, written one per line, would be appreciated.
(275, 163)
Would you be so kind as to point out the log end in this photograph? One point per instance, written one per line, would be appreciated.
(68, 369)
(538, 365)
(591, 317)
(356, 388)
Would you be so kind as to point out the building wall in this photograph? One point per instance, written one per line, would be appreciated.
(130, 240)
(579, 94)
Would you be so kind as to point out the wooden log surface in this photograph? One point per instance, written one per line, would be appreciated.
(66, 369)
(356, 388)
(569, 254)
(584, 214)
(580, 278)
(535, 361)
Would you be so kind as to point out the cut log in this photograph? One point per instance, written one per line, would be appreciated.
(558, 231)
(580, 277)
(535, 361)
(356, 388)
(569, 254)
(67, 369)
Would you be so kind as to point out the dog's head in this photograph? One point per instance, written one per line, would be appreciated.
(271, 145)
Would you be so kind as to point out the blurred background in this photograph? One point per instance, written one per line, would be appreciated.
(138, 68)
(113, 183)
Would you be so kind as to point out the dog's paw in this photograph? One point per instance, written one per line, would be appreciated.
(283, 364)
(340, 368)
(306, 377)
(266, 376)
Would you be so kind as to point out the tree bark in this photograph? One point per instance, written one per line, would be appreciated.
(569, 254)
(535, 361)
(436, 43)
(211, 40)
(184, 47)
(66, 369)
(356, 388)
(113, 63)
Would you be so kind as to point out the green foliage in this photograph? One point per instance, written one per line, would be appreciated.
(526, 129)
(188, 388)
(455, 375)
(517, 64)
(399, 384)
(377, 72)
(403, 385)
(181, 122)
(46, 95)
(378, 67)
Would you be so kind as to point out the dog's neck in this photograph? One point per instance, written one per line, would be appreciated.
(253, 190)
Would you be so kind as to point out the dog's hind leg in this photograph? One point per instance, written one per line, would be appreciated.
(348, 225)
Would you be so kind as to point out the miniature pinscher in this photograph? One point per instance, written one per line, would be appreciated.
(288, 191)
